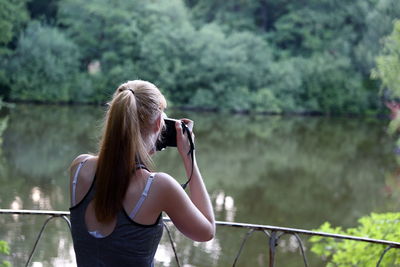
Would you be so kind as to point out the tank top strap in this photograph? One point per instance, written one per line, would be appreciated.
(143, 196)
(75, 181)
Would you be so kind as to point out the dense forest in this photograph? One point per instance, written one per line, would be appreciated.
(309, 56)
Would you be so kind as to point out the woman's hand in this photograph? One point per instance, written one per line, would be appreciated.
(182, 140)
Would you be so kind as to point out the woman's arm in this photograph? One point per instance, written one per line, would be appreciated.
(184, 212)
(193, 215)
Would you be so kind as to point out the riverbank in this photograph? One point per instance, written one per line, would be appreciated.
(380, 113)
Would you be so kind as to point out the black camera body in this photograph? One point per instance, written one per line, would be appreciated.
(168, 134)
(168, 139)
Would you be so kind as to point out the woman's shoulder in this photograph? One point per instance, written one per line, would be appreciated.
(165, 180)
(88, 167)
(167, 187)
(82, 158)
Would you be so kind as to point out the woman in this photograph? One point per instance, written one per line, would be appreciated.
(116, 201)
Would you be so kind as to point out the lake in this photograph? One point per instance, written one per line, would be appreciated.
(286, 171)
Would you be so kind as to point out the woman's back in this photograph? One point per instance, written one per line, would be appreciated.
(123, 242)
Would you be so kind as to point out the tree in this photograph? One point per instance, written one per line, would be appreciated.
(378, 23)
(45, 66)
(387, 71)
(388, 62)
(13, 16)
(103, 29)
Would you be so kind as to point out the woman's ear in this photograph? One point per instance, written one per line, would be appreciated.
(158, 123)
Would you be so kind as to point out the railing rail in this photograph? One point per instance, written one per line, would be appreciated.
(272, 232)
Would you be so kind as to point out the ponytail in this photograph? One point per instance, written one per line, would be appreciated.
(133, 109)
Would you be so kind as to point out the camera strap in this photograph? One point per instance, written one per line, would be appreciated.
(190, 152)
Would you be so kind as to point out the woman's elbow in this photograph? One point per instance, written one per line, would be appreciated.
(210, 236)
(207, 235)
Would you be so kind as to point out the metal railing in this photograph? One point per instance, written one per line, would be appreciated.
(273, 233)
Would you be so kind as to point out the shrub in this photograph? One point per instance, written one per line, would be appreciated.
(352, 253)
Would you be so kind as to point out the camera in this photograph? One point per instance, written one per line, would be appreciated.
(168, 138)
(168, 134)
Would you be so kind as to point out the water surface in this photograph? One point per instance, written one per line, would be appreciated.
(285, 171)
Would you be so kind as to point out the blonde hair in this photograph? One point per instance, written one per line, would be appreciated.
(131, 114)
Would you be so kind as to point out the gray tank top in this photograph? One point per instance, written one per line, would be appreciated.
(130, 243)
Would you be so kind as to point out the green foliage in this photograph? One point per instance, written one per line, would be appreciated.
(45, 10)
(198, 67)
(13, 15)
(331, 85)
(216, 72)
(378, 16)
(388, 62)
(44, 66)
(351, 253)
(103, 29)
(114, 34)
(4, 250)
(273, 56)
(332, 47)
(231, 15)
(244, 15)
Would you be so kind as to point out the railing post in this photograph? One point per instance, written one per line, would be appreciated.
(273, 242)
(248, 234)
(41, 232)
(382, 255)
(301, 249)
(172, 244)
(37, 240)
